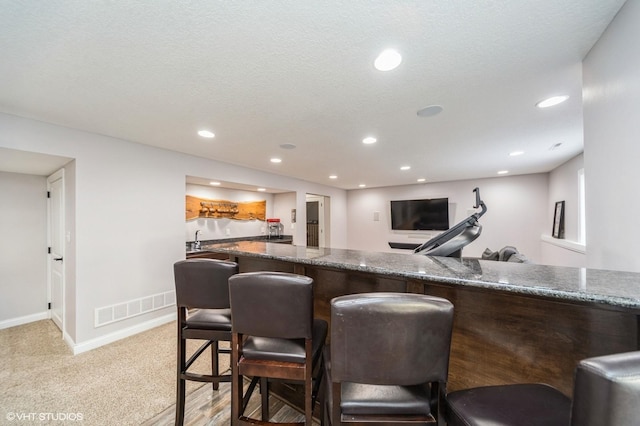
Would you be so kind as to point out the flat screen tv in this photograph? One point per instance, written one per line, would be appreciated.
(420, 215)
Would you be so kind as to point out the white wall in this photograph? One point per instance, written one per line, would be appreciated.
(514, 214)
(611, 96)
(23, 245)
(283, 203)
(129, 215)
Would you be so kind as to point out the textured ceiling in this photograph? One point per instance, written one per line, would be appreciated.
(261, 74)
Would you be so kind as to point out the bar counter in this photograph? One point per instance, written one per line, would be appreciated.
(513, 322)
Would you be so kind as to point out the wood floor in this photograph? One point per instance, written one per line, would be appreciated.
(208, 407)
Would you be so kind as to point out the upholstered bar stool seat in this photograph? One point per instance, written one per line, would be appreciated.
(359, 399)
(606, 393)
(209, 319)
(531, 404)
(286, 350)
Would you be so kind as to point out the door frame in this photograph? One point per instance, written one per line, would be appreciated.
(58, 175)
(322, 200)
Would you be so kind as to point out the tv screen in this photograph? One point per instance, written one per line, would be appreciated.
(420, 215)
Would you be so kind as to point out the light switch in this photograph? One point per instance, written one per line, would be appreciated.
(376, 216)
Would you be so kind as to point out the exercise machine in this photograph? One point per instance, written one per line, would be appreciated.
(451, 242)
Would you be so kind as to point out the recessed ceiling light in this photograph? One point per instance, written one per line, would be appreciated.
(362, 185)
(503, 172)
(516, 153)
(429, 111)
(387, 60)
(276, 160)
(287, 146)
(333, 177)
(206, 134)
(552, 101)
(422, 180)
(369, 140)
(405, 167)
(214, 183)
(262, 189)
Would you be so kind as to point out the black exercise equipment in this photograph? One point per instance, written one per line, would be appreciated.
(451, 242)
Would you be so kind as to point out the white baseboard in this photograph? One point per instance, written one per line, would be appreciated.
(25, 319)
(79, 348)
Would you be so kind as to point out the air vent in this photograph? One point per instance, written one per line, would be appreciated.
(121, 311)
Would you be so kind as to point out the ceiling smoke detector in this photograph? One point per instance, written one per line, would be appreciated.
(429, 111)
(555, 146)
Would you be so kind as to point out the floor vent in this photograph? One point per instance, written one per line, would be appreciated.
(121, 311)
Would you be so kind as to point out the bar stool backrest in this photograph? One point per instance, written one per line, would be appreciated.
(285, 311)
(202, 283)
(390, 338)
(607, 391)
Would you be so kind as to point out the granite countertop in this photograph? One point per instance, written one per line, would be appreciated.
(612, 289)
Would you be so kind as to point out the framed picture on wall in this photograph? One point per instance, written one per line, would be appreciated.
(558, 220)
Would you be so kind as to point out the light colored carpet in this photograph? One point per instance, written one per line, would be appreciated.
(124, 383)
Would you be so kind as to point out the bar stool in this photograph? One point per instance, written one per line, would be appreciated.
(606, 392)
(388, 360)
(202, 299)
(274, 336)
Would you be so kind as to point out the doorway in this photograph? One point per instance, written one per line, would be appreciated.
(317, 219)
(55, 238)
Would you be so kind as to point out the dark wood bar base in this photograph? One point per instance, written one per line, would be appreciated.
(505, 338)
(498, 337)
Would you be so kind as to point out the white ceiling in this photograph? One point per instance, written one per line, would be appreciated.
(261, 74)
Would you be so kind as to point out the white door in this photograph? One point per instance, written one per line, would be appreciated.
(55, 186)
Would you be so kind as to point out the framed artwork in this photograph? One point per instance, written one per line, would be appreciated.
(293, 215)
(558, 220)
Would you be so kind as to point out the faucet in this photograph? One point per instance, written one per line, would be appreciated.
(196, 244)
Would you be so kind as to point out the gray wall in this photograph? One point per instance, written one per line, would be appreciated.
(23, 243)
(611, 95)
(516, 213)
(129, 225)
(564, 186)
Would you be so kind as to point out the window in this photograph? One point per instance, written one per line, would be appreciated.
(582, 207)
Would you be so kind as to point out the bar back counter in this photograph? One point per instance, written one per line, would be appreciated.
(513, 322)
